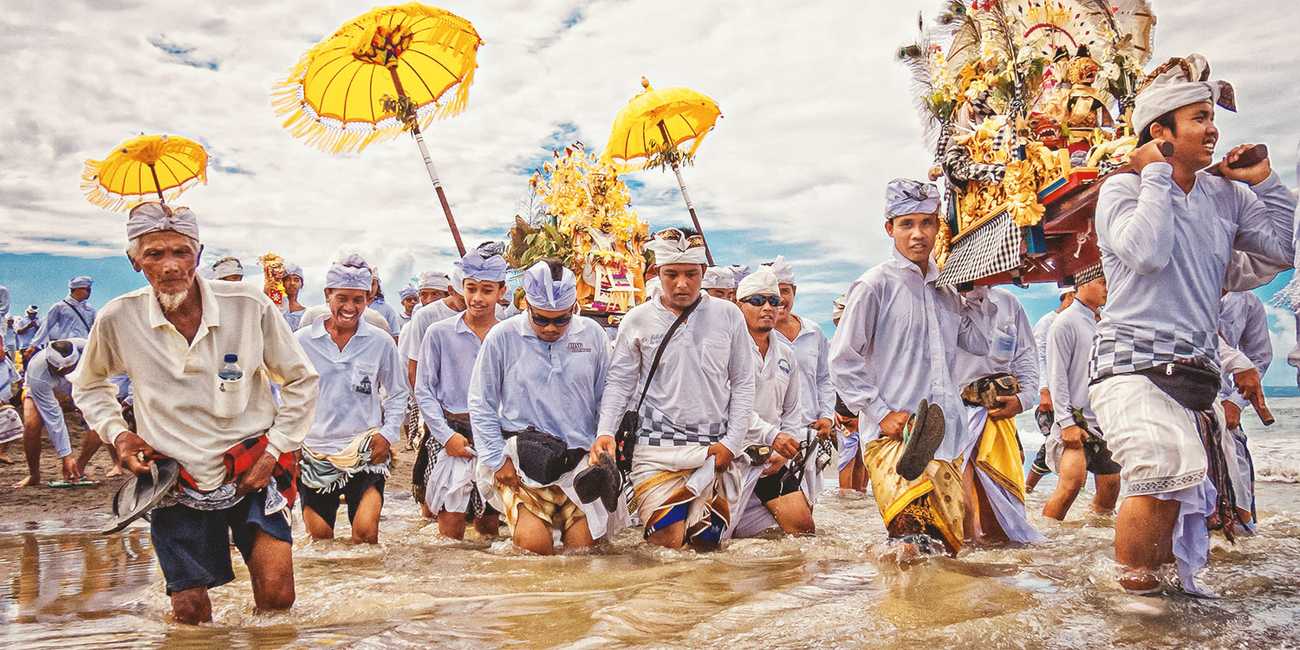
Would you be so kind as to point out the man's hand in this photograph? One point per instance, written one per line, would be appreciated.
(1072, 436)
(258, 476)
(380, 448)
(133, 453)
(786, 445)
(1044, 399)
(71, 472)
(1253, 175)
(1146, 154)
(1010, 407)
(1231, 415)
(458, 446)
(892, 425)
(507, 475)
(823, 428)
(1248, 384)
(852, 423)
(774, 464)
(604, 445)
(722, 456)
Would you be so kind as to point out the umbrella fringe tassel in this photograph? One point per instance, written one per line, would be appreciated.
(112, 201)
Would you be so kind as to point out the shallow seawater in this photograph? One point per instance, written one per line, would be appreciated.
(64, 585)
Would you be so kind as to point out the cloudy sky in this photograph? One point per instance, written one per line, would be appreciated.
(817, 118)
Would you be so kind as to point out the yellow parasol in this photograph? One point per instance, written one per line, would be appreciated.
(144, 167)
(379, 75)
(650, 129)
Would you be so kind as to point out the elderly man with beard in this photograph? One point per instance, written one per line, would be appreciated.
(695, 410)
(1167, 234)
(358, 415)
(781, 489)
(444, 471)
(533, 401)
(200, 356)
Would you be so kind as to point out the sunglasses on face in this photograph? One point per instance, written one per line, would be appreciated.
(558, 321)
(759, 301)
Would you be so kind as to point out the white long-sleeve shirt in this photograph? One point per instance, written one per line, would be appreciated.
(777, 398)
(390, 315)
(1166, 253)
(1069, 347)
(182, 408)
(46, 388)
(411, 337)
(1023, 363)
(705, 378)
(812, 350)
(1243, 324)
(897, 344)
(362, 387)
(67, 319)
(443, 372)
(1041, 328)
(521, 381)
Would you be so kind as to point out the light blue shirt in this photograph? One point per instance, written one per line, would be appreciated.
(45, 387)
(294, 318)
(8, 375)
(411, 338)
(1243, 323)
(443, 369)
(362, 387)
(812, 351)
(521, 381)
(390, 315)
(67, 319)
(24, 339)
(1069, 345)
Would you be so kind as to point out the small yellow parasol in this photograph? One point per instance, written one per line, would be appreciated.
(651, 128)
(382, 74)
(144, 167)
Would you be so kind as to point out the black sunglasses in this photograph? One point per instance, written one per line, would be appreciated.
(558, 321)
(758, 301)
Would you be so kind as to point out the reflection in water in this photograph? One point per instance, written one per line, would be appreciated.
(63, 586)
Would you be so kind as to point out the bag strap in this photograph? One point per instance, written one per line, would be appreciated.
(659, 353)
(78, 313)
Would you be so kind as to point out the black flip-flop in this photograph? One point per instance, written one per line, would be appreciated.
(924, 437)
(139, 494)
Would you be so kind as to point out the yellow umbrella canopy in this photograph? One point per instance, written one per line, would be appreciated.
(143, 168)
(385, 72)
(650, 129)
(685, 115)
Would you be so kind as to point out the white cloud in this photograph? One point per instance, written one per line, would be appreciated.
(817, 118)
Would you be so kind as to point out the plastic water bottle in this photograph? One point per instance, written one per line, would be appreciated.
(1004, 344)
(230, 371)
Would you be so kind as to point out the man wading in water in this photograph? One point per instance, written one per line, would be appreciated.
(200, 355)
(1167, 234)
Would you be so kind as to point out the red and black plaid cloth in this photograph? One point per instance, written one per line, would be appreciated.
(241, 458)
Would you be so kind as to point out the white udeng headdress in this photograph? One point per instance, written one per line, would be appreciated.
(1177, 83)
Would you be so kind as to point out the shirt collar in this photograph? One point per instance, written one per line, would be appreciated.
(902, 263)
(211, 311)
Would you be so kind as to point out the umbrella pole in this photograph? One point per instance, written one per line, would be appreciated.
(428, 165)
(156, 185)
(690, 207)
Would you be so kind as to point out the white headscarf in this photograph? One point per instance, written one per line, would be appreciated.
(1187, 81)
(152, 216)
(784, 272)
(435, 280)
(762, 282)
(60, 362)
(227, 266)
(906, 196)
(340, 276)
(671, 246)
(293, 269)
(80, 282)
(718, 277)
(544, 292)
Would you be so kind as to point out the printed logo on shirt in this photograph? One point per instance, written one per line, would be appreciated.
(784, 365)
(364, 387)
(577, 346)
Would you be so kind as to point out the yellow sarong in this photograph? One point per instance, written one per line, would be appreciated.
(941, 482)
(1000, 457)
(549, 504)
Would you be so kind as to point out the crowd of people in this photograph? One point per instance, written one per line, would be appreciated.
(708, 412)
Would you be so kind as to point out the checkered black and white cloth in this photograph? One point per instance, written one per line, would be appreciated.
(1088, 275)
(657, 431)
(992, 248)
(1120, 349)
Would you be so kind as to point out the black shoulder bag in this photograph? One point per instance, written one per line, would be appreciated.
(625, 437)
